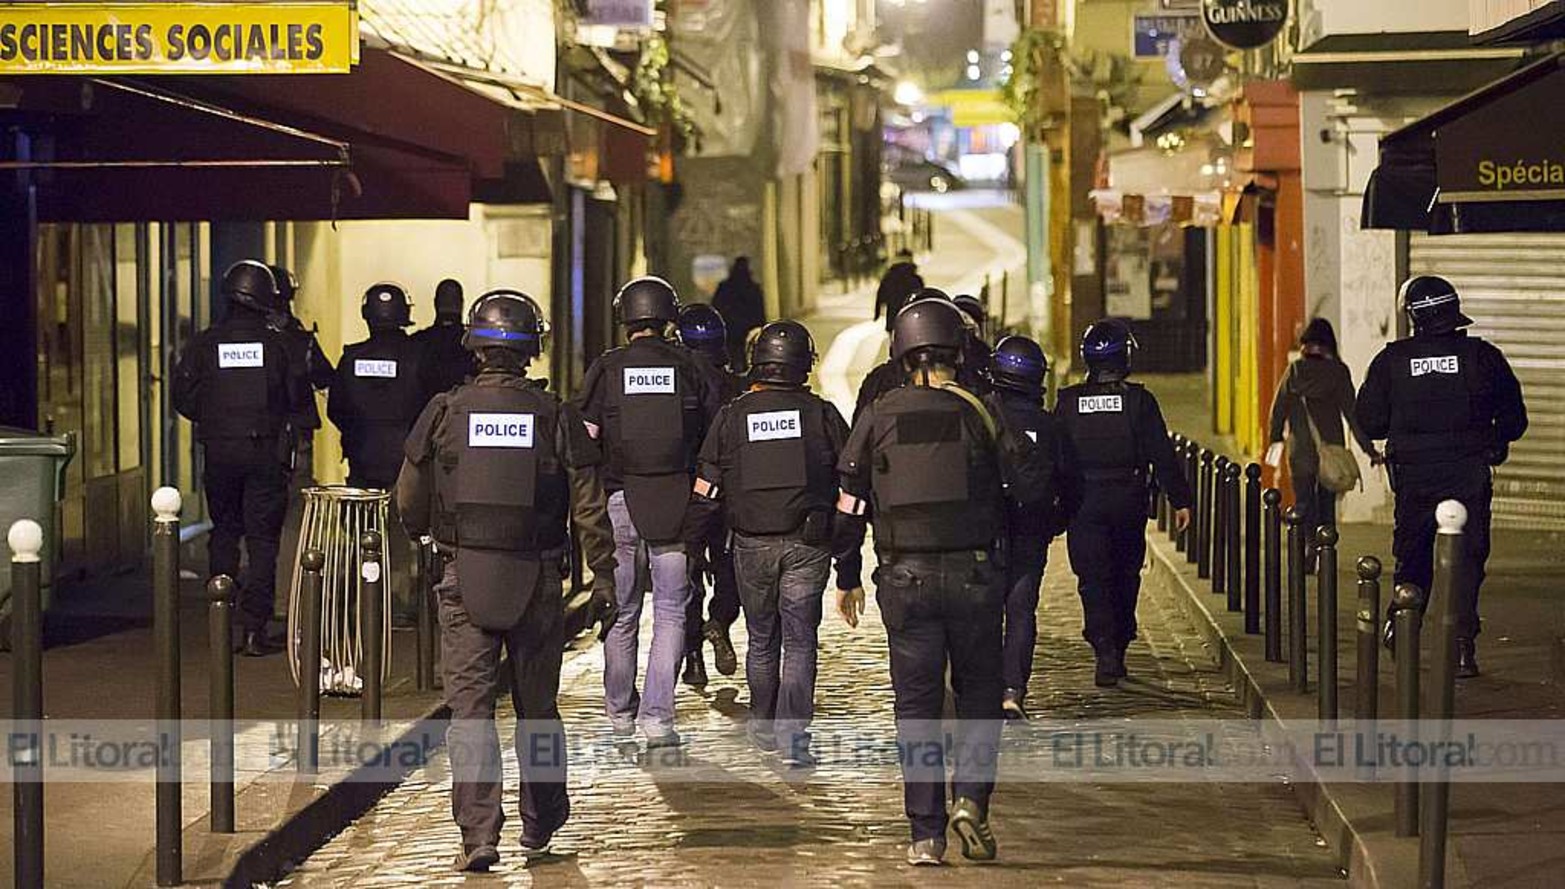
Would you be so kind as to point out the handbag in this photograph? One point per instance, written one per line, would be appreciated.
(1338, 468)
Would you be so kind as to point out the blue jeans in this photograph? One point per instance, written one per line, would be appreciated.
(781, 583)
(654, 711)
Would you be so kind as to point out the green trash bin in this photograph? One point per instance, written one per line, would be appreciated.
(32, 483)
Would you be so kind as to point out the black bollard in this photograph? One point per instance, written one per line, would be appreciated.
(1298, 618)
(372, 614)
(1367, 705)
(1182, 539)
(1326, 623)
(1204, 506)
(1434, 813)
(1235, 585)
(1271, 499)
(1252, 549)
(1220, 525)
(165, 634)
(1407, 617)
(307, 757)
(25, 538)
(220, 634)
(428, 563)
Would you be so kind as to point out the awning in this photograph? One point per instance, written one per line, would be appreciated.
(1413, 63)
(1175, 112)
(1493, 161)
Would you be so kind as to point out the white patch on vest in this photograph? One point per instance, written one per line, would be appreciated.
(499, 430)
(1443, 364)
(649, 381)
(1100, 404)
(774, 425)
(240, 355)
(375, 367)
(1032, 434)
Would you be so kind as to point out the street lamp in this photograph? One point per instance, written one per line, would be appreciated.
(908, 93)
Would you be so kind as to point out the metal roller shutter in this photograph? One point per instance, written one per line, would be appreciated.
(1513, 287)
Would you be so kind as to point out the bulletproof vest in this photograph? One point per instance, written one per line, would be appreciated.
(1027, 417)
(1433, 414)
(247, 393)
(783, 468)
(499, 481)
(381, 379)
(935, 474)
(1100, 418)
(652, 409)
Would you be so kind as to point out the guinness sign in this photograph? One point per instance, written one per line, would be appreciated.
(1244, 24)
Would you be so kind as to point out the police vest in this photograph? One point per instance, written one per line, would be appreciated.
(652, 409)
(1433, 415)
(1100, 418)
(499, 481)
(1028, 418)
(782, 467)
(381, 380)
(935, 474)
(246, 395)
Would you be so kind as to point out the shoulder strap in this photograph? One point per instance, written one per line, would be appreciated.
(977, 405)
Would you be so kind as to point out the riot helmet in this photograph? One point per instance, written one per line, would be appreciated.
(448, 300)
(1107, 347)
(505, 319)
(647, 301)
(783, 352)
(973, 309)
(287, 284)
(701, 329)
(1432, 305)
(927, 323)
(251, 284)
(386, 305)
(1018, 365)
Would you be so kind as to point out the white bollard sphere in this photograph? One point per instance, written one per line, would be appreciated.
(1451, 516)
(166, 504)
(25, 539)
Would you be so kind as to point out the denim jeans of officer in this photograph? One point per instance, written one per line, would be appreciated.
(944, 609)
(1024, 567)
(470, 665)
(247, 497)
(1419, 490)
(1107, 544)
(782, 581)
(653, 708)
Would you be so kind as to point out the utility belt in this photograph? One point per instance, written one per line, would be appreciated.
(1418, 448)
(1120, 474)
(814, 530)
(448, 550)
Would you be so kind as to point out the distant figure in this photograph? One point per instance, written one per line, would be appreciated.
(899, 282)
(743, 307)
(446, 364)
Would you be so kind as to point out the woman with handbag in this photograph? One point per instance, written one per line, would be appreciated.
(1313, 399)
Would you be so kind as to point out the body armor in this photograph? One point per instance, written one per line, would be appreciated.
(784, 468)
(246, 395)
(1432, 386)
(1100, 418)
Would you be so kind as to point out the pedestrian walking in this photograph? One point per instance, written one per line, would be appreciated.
(929, 462)
(492, 470)
(380, 389)
(1314, 398)
(897, 287)
(649, 404)
(770, 465)
(447, 365)
(1118, 434)
(1448, 406)
(239, 384)
(743, 306)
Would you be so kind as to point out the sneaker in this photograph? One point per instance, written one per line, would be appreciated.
(1466, 659)
(763, 741)
(1012, 704)
(664, 740)
(477, 859)
(800, 756)
(695, 670)
(973, 830)
(724, 657)
(927, 853)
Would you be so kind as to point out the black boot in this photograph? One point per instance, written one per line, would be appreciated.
(1466, 659)
(256, 644)
(1109, 667)
(1119, 659)
(727, 660)
(695, 669)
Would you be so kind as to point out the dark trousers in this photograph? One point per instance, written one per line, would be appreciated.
(1316, 505)
(1107, 543)
(247, 497)
(1419, 490)
(944, 609)
(723, 606)
(1025, 562)
(781, 583)
(471, 665)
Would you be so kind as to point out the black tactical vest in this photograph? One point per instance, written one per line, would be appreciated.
(651, 409)
(247, 394)
(935, 473)
(1100, 418)
(1432, 395)
(783, 468)
(381, 380)
(499, 482)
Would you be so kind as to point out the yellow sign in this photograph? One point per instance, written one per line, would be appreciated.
(284, 37)
(973, 108)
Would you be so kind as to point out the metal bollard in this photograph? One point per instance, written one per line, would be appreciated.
(1252, 549)
(307, 758)
(1434, 812)
(25, 538)
(165, 633)
(1271, 498)
(220, 690)
(1235, 584)
(1367, 705)
(1326, 623)
(1182, 541)
(372, 615)
(428, 563)
(1298, 618)
(1203, 541)
(1220, 525)
(1408, 618)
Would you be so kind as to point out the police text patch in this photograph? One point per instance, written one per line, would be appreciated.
(774, 425)
(499, 430)
(649, 381)
(240, 355)
(1100, 404)
(1033, 434)
(375, 367)
(1443, 364)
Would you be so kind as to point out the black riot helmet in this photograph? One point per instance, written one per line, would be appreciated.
(1018, 365)
(1432, 305)
(251, 284)
(701, 328)
(448, 300)
(505, 319)
(783, 352)
(1106, 347)
(287, 284)
(974, 309)
(927, 323)
(647, 301)
(386, 305)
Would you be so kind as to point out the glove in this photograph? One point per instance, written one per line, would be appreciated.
(602, 610)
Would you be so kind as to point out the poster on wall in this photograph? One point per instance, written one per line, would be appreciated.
(1127, 285)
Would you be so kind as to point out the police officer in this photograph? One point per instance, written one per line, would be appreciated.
(649, 403)
(889, 374)
(1116, 428)
(492, 470)
(1448, 406)
(703, 331)
(380, 389)
(446, 363)
(771, 459)
(307, 353)
(974, 372)
(1017, 369)
(236, 381)
(930, 459)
